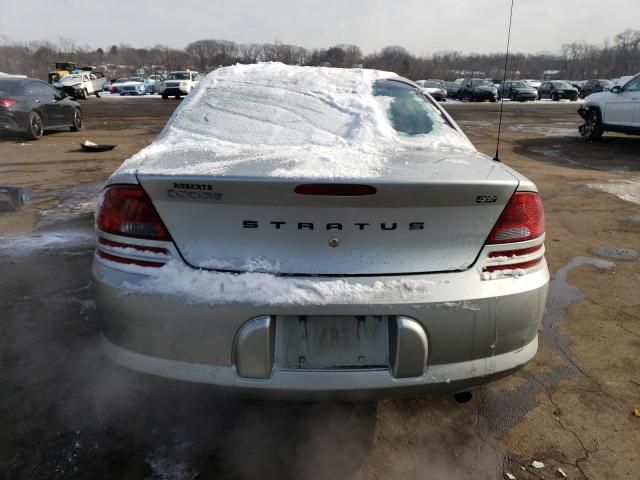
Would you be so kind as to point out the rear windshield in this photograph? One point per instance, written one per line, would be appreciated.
(9, 87)
(561, 85)
(430, 84)
(336, 109)
(407, 110)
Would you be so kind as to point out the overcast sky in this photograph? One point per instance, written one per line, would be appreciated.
(421, 26)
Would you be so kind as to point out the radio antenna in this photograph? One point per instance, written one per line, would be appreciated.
(504, 79)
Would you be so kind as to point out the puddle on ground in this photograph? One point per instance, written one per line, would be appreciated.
(545, 131)
(76, 202)
(619, 253)
(556, 152)
(508, 407)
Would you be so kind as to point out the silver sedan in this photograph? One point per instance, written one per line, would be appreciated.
(303, 231)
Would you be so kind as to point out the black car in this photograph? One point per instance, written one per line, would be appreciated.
(452, 89)
(476, 89)
(556, 90)
(517, 90)
(595, 86)
(29, 107)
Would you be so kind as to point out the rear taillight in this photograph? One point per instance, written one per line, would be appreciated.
(127, 210)
(7, 102)
(522, 219)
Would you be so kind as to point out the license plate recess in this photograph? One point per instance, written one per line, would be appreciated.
(332, 342)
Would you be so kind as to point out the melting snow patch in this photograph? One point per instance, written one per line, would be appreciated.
(43, 242)
(626, 189)
(199, 286)
(498, 274)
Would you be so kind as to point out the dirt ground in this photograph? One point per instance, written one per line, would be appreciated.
(67, 412)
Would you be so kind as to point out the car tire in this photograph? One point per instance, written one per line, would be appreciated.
(77, 120)
(164, 97)
(592, 128)
(83, 94)
(555, 97)
(177, 97)
(35, 127)
(97, 94)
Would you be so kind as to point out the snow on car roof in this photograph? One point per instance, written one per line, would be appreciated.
(293, 121)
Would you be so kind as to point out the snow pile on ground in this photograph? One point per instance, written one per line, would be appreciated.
(214, 288)
(627, 189)
(296, 121)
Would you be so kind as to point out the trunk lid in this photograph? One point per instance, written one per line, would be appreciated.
(432, 212)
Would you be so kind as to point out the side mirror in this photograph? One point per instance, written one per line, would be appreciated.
(616, 89)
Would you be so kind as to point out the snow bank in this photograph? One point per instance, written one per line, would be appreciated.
(298, 121)
(199, 286)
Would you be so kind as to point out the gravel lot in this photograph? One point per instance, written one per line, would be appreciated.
(67, 412)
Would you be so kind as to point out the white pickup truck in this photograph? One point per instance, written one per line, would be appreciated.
(177, 84)
(617, 110)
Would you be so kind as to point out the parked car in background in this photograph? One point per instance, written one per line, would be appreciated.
(557, 90)
(534, 83)
(452, 89)
(595, 86)
(288, 265)
(115, 86)
(617, 110)
(477, 90)
(435, 88)
(177, 84)
(517, 90)
(133, 86)
(30, 107)
(151, 81)
(81, 85)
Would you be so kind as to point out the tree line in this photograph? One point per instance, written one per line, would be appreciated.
(574, 61)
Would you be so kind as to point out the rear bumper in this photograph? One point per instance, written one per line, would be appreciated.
(8, 123)
(474, 331)
(174, 91)
(361, 385)
(525, 96)
(483, 95)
